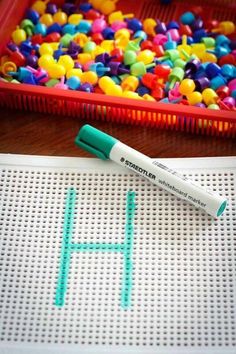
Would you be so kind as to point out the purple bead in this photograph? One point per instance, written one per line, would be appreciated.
(13, 47)
(32, 60)
(117, 68)
(51, 8)
(201, 105)
(160, 28)
(78, 66)
(212, 70)
(103, 58)
(197, 24)
(86, 87)
(191, 67)
(172, 25)
(202, 83)
(69, 8)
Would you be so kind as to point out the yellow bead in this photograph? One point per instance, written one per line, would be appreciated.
(131, 94)
(45, 61)
(194, 98)
(46, 19)
(130, 83)
(45, 48)
(148, 26)
(18, 36)
(75, 19)
(146, 56)
(108, 45)
(83, 58)
(54, 45)
(209, 58)
(74, 72)
(8, 66)
(56, 71)
(66, 61)
(96, 3)
(105, 82)
(114, 90)
(60, 17)
(107, 7)
(186, 87)
(90, 77)
(149, 98)
(199, 49)
(39, 6)
(81, 39)
(118, 16)
(209, 96)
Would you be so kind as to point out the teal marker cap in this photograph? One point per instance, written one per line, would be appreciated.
(95, 141)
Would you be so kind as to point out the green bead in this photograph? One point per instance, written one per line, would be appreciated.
(179, 63)
(138, 69)
(52, 82)
(209, 42)
(130, 57)
(28, 26)
(132, 46)
(177, 73)
(213, 106)
(66, 39)
(89, 47)
(172, 54)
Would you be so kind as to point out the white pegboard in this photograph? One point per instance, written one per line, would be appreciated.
(183, 297)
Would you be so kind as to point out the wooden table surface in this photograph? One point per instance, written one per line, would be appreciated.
(42, 134)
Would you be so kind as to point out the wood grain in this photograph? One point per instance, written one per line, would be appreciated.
(42, 134)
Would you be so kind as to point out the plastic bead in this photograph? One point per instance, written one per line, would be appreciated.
(186, 87)
(32, 15)
(27, 26)
(67, 62)
(139, 69)
(177, 74)
(8, 66)
(89, 77)
(209, 96)
(104, 82)
(202, 83)
(130, 83)
(187, 18)
(18, 36)
(45, 61)
(114, 90)
(61, 84)
(46, 19)
(148, 26)
(98, 25)
(60, 17)
(118, 16)
(73, 82)
(134, 24)
(108, 6)
(194, 98)
(146, 56)
(40, 6)
(40, 28)
(74, 72)
(225, 27)
(99, 68)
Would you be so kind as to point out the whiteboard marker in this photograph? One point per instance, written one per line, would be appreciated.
(106, 147)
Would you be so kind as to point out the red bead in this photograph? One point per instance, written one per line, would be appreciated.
(119, 55)
(98, 90)
(212, 24)
(52, 37)
(158, 50)
(37, 39)
(185, 29)
(92, 15)
(184, 102)
(97, 38)
(17, 58)
(227, 59)
(149, 80)
(146, 45)
(162, 71)
(223, 92)
(158, 93)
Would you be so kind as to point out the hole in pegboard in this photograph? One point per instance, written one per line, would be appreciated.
(183, 291)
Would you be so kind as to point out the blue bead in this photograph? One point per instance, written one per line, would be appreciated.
(172, 25)
(116, 79)
(233, 94)
(32, 15)
(68, 28)
(108, 33)
(85, 7)
(212, 70)
(29, 79)
(143, 90)
(228, 71)
(221, 40)
(140, 34)
(55, 27)
(40, 28)
(73, 82)
(199, 34)
(187, 18)
(84, 27)
(25, 48)
(221, 51)
(217, 81)
(134, 24)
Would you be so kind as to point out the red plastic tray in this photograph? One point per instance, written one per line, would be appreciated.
(120, 110)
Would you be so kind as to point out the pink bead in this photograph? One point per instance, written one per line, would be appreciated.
(98, 25)
(174, 94)
(117, 25)
(234, 53)
(160, 39)
(61, 85)
(232, 85)
(86, 66)
(229, 101)
(174, 34)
